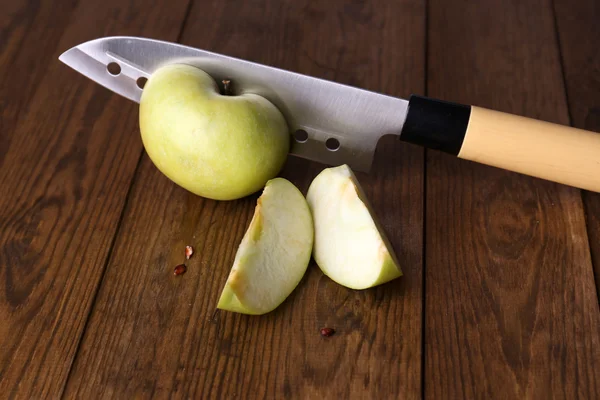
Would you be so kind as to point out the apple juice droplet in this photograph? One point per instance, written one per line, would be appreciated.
(180, 269)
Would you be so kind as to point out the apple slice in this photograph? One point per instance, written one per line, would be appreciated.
(350, 245)
(274, 253)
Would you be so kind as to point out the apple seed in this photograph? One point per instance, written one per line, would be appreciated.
(189, 250)
(326, 332)
(180, 269)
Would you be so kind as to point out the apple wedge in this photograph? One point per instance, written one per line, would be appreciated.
(274, 253)
(350, 245)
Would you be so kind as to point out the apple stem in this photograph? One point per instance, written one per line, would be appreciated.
(227, 87)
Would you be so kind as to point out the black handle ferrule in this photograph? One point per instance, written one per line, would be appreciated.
(436, 124)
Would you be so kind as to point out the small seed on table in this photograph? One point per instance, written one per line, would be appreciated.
(180, 269)
(189, 250)
(327, 332)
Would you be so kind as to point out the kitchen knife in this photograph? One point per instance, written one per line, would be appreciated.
(335, 124)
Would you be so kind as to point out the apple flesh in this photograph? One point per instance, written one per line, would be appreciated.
(350, 245)
(216, 146)
(274, 253)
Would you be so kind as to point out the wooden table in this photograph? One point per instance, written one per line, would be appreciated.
(498, 299)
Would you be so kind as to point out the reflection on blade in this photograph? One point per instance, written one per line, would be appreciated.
(95, 68)
(356, 118)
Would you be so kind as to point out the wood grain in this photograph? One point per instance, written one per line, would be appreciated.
(69, 149)
(511, 309)
(152, 334)
(579, 35)
(24, 40)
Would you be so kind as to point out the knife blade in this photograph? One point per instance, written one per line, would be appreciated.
(338, 124)
(352, 119)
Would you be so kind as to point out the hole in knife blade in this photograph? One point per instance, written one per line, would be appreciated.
(113, 68)
(141, 82)
(301, 136)
(332, 144)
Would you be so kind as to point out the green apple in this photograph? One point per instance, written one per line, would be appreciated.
(350, 244)
(274, 253)
(216, 146)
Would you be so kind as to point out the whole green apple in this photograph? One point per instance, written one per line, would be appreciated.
(217, 146)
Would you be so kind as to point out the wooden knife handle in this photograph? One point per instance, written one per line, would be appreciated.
(542, 149)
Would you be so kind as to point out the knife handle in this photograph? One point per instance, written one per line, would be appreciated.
(532, 147)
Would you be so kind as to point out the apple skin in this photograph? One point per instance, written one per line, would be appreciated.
(218, 147)
(350, 244)
(274, 253)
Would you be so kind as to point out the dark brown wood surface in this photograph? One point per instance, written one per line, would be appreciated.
(498, 298)
(511, 307)
(69, 150)
(579, 36)
(170, 344)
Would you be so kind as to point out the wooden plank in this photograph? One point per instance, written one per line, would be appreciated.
(579, 34)
(511, 309)
(24, 40)
(69, 151)
(167, 341)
